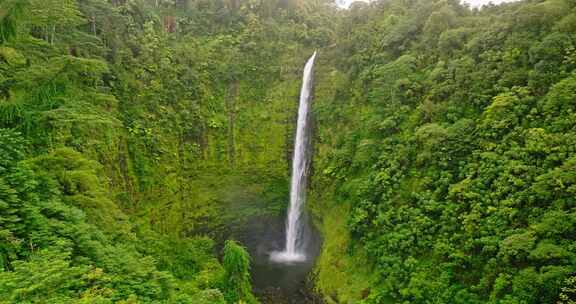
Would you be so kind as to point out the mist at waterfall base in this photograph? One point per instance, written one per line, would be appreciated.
(296, 237)
(273, 282)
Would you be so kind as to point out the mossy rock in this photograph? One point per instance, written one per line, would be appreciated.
(209, 296)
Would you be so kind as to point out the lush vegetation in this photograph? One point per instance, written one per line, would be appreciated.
(134, 136)
(450, 135)
(137, 136)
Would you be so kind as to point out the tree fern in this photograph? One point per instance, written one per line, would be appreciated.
(11, 12)
(237, 281)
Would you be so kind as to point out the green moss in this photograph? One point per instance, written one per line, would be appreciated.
(343, 275)
(12, 56)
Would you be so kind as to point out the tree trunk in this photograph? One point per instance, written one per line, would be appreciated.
(53, 34)
(93, 24)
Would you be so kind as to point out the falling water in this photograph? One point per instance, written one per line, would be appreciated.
(294, 250)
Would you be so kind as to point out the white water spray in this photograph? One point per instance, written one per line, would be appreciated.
(294, 250)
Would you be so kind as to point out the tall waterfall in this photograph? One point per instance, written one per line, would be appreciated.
(294, 250)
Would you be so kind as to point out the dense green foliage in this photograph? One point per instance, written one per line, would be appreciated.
(237, 266)
(63, 240)
(454, 147)
(136, 136)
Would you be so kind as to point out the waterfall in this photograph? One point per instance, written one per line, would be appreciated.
(294, 250)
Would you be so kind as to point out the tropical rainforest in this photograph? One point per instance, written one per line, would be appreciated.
(140, 138)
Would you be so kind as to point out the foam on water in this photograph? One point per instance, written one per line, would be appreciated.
(286, 257)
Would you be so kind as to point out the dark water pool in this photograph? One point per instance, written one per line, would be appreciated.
(276, 283)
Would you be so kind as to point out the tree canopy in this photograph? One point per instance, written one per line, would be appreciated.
(138, 136)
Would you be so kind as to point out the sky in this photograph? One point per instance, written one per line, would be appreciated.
(474, 3)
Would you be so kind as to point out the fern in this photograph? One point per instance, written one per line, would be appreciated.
(11, 12)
